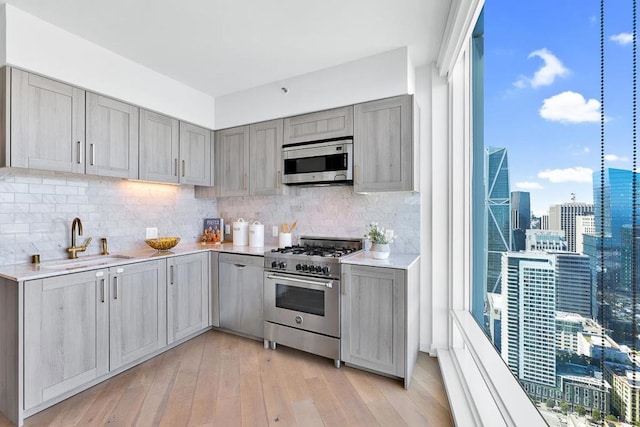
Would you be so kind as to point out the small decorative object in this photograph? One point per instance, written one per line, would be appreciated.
(212, 231)
(162, 243)
(380, 239)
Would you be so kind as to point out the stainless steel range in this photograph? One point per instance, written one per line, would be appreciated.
(302, 295)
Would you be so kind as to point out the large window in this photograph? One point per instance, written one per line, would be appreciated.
(555, 252)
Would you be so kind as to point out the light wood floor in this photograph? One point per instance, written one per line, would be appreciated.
(218, 379)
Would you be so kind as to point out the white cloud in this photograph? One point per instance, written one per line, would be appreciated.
(615, 158)
(529, 185)
(570, 107)
(622, 38)
(546, 74)
(576, 174)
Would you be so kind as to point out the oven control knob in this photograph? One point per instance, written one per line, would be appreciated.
(312, 268)
(325, 270)
(282, 265)
(305, 267)
(298, 267)
(274, 264)
(299, 319)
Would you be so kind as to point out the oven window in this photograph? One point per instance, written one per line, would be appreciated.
(300, 299)
(331, 162)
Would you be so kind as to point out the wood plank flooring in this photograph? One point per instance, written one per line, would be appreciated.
(218, 379)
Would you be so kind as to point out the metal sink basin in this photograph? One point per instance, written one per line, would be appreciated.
(84, 262)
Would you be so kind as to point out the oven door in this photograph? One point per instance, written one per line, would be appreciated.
(301, 302)
(322, 162)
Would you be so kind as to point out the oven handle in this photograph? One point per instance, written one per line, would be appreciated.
(296, 280)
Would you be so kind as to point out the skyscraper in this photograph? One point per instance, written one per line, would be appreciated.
(520, 218)
(626, 258)
(498, 201)
(573, 283)
(616, 200)
(563, 217)
(528, 316)
(585, 224)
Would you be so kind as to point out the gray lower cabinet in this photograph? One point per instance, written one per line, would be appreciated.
(240, 291)
(137, 308)
(380, 319)
(385, 145)
(66, 334)
(47, 123)
(111, 147)
(187, 295)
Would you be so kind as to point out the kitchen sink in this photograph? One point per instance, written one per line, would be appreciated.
(84, 262)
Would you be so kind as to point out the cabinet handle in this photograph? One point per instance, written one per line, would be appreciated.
(175, 166)
(244, 181)
(103, 291)
(171, 275)
(93, 154)
(355, 178)
(183, 167)
(278, 179)
(79, 152)
(344, 283)
(115, 287)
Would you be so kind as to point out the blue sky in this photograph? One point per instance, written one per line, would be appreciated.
(542, 93)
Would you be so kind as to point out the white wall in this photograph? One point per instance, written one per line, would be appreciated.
(38, 46)
(379, 76)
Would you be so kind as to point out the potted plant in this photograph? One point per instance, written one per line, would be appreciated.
(380, 239)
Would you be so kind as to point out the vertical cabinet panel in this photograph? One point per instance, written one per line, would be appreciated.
(232, 157)
(66, 334)
(47, 124)
(159, 147)
(373, 319)
(195, 155)
(266, 158)
(112, 137)
(137, 311)
(383, 144)
(188, 295)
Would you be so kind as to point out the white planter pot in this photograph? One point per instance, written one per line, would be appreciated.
(380, 251)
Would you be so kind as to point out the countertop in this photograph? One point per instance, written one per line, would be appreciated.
(50, 268)
(400, 261)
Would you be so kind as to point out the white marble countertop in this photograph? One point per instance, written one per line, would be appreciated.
(50, 268)
(400, 261)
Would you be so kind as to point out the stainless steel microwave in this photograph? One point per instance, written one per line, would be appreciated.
(326, 162)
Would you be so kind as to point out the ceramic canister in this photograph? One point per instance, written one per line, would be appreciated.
(256, 234)
(240, 232)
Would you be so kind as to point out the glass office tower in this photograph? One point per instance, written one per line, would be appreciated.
(498, 204)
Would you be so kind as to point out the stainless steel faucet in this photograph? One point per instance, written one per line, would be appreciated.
(73, 250)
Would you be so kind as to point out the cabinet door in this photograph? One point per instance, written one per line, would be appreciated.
(112, 137)
(327, 124)
(47, 124)
(232, 161)
(66, 334)
(373, 318)
(137, 307)
(195, 155)
(383, 145)
(188, 295)
(266, 158)
(159, 147)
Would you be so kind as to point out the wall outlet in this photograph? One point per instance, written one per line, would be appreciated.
(274, 231)
(151, 232)
(227, 229)
(389, 235)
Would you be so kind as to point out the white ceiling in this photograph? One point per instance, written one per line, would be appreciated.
(222, 46)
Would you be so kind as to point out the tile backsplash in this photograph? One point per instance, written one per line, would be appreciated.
(37, 208)
(332, 212)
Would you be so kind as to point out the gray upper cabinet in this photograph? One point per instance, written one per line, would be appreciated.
(232, 161)
(112, 138)
(159, 147)
(66, 334)
(195, 155)
(384, 145)
(47, 124)
(138, 316)
(334, 123)
(266, 158)
(188, 295)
